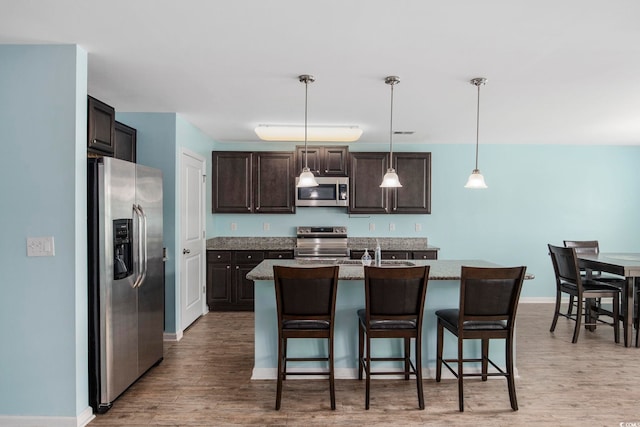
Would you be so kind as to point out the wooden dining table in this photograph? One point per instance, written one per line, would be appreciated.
(622, 264)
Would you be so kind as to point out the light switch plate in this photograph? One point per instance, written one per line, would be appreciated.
(40, 246)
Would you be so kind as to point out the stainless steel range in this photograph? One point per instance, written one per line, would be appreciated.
(321, 243)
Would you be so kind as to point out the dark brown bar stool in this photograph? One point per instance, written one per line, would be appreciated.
(488, 303)
(306, 306)
(394, 307)
(570, 281)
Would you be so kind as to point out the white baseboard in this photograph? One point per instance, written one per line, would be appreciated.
(352, 373)
(541, 300)
(29, 421)
(172, 337)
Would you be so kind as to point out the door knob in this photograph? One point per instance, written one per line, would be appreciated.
(186, 251)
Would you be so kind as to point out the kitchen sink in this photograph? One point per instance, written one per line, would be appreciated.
(384, 262)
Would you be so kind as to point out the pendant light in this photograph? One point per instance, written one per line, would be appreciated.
(390, 179)
(476, 180)
(306, 178)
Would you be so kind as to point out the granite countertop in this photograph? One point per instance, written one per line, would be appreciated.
(251, 243)
(289, 243)
(439, 270)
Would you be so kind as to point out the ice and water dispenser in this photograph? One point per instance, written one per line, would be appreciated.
(122, 248)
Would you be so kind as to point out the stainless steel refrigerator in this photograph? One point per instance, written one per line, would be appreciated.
(126, 276)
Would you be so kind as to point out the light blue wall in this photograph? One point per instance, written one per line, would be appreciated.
(156, 147)
(43, 356)
(537, 194)
(160, 137)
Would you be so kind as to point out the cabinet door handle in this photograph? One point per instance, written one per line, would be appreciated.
(249, 256)
(186, 251)
(228, 267)
(279, 256)
(237, 267)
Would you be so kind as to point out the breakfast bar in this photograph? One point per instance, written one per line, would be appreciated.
(442, 292)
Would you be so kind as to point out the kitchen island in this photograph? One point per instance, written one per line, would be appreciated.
(442, 292)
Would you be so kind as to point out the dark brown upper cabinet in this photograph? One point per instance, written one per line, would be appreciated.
(367, 170)
(253, 182)
(125, 145)
(414, 171)
(324, 160)
(274, 182)
(232, 190)
(100, 127)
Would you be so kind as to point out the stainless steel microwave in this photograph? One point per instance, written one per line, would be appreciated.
(331, 191)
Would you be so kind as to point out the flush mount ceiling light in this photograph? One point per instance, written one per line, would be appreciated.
(295, 133)
(476, 180)
(390, 179)
(306, 177)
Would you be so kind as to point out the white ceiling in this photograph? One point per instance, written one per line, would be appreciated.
(559, 71)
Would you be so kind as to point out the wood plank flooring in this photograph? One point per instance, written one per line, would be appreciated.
(204, 380)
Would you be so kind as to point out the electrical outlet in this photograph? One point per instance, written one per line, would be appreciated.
(392, 227)
(234, 226)
(40, 246)
(372, 226)
(266, 226)
(418, 226)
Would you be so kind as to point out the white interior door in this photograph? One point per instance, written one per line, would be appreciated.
(192, 238)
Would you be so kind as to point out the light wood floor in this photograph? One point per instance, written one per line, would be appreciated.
(204, 380)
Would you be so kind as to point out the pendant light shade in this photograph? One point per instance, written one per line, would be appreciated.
(390, 179)
(306, 178)
(476, 180)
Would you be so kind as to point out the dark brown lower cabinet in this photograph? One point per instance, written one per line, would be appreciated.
(228, 289)
(219, 279)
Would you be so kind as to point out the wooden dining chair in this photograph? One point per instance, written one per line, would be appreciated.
(592, 247)
(570, 281)
(306, 307)
(487, 310)
(394, 308)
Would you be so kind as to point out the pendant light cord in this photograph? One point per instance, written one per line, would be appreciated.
(391, 130)
(306, 79)
(477, 125)
(306, 90)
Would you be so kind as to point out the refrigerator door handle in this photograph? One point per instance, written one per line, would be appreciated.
(143, 240)
(138, 217)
